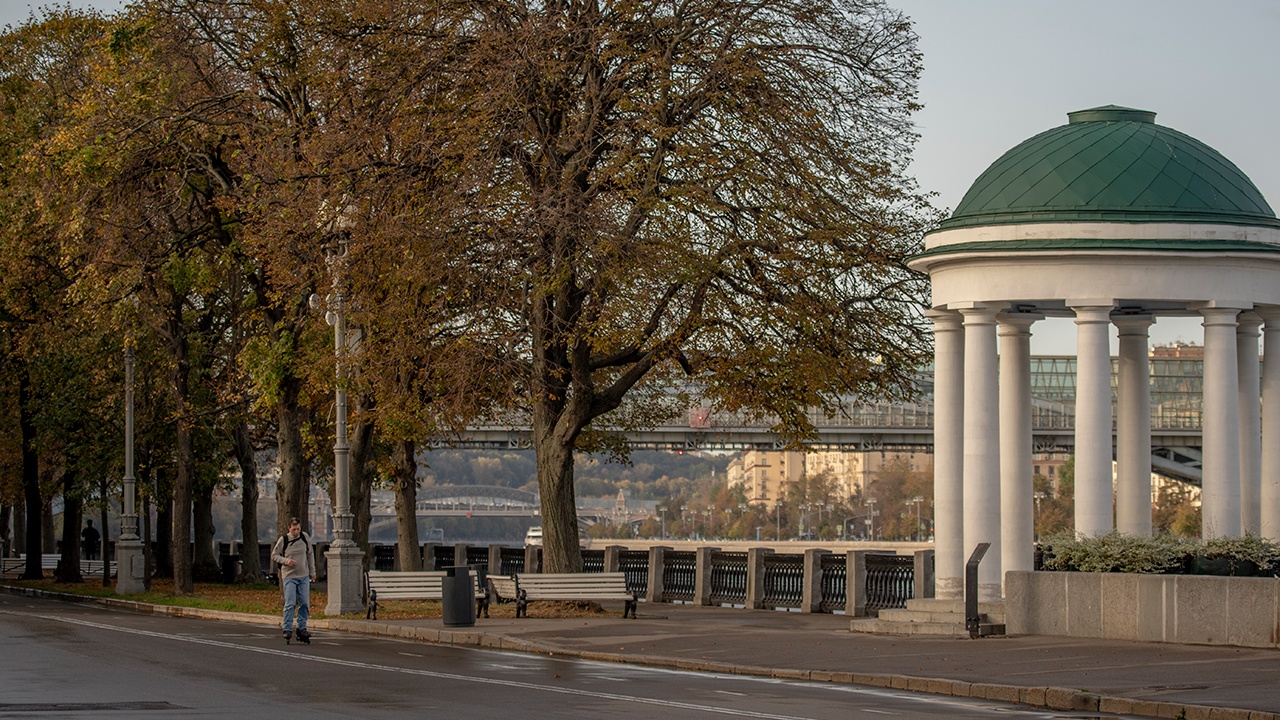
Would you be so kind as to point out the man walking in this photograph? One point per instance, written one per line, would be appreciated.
(293, 553)
(89, 540)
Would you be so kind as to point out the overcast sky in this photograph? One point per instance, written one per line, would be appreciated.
(999, 71)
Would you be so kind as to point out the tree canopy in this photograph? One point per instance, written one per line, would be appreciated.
(556, 210)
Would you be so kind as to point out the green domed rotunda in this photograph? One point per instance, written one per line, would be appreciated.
(1112, 164)
(1111, 220)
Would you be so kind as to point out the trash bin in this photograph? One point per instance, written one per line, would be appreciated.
(384, 557)
(457, 599)
(230, 568)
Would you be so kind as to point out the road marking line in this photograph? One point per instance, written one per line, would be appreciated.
(429, 673)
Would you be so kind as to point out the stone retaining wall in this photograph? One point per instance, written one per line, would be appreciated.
(1198, 609)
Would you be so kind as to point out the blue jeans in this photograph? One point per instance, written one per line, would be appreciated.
(297, 596)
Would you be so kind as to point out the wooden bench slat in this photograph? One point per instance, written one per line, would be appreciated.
(416, 585)
(525, 588)
(413, 585)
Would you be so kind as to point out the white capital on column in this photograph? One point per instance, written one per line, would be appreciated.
(948, 453)
(1220, 487)
(1017, 506)
(1093, 420)
(1133, 427)
(1269, 492)
(1250, 422)
(982, 446)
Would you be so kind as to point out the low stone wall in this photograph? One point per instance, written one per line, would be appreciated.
(1197, 609)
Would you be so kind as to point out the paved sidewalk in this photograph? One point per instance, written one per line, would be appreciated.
(1126, 678)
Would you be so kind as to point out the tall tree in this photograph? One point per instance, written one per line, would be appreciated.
(44, 67)
(709, 187)
(148, 166)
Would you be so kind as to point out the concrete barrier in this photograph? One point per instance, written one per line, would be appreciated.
(1196, 609)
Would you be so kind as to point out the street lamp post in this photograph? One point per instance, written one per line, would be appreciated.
(917, 500)
(1039, 495)
(344, 557)
(846, 529)
(130, 559)
(777, 517)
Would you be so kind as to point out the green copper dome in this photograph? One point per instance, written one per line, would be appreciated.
(1112, 164)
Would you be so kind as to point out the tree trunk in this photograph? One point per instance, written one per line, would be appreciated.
(406, 474)
(19, 528)
(30, 482)
(361, 442)
(47, 538)
(68, 570)
(106, 534)
(180, 519)
(6, 531)
(305, 500)
(175, 334)
(205, 561)
(249, 566)
(164, 538)
(289, 455)
(148, 547)
(560, 551)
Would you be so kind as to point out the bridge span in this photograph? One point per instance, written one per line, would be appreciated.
(858, 425)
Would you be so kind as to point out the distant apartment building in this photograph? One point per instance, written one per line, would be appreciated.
(1047, 465)
(765, 475)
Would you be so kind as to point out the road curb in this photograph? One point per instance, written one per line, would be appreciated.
(1051, 698)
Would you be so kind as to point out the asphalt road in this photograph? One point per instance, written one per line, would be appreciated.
(69, 660)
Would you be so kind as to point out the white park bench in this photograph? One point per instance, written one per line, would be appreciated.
(525, 588)
(415, 585)
(49, 563)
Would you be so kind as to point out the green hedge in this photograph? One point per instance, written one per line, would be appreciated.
(1114, 552)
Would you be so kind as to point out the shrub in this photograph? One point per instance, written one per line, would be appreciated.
(1163, 553)
(1240, 550)
(1113, 552)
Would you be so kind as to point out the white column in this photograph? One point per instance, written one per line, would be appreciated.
(982, 446)
(1220, 488)
(1017, 506)
(1093, 420)
(1250, 398)
(948, 453)
(1133, 427)
(1269, 492)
